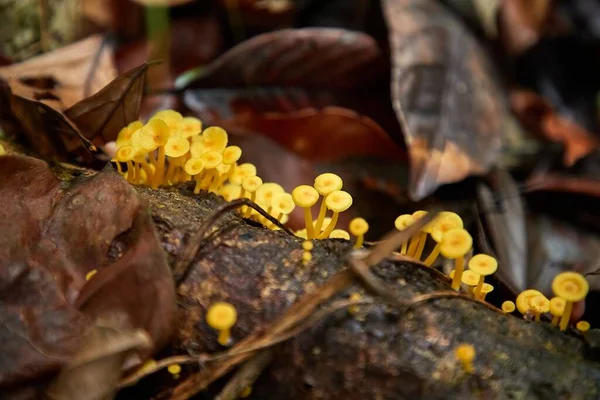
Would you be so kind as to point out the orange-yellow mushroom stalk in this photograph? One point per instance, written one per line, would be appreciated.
(325, 184)
(155, 134)
(485, 290)
(250, 186)
(282, 204)
(125, 154)
(358, 227)
(337, 201)
(211, 159)
(455, 244)
(222, 316)
(572, 287)
(194, 167)
(465, 354)
(306, 196)
(422, 237)
(401, 223)
(483, 265)
(557, 307)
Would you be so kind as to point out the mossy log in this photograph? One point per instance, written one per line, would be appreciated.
(379, 352)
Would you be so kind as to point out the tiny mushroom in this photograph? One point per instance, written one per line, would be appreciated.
(455, 244)
(508, 306)
(281, 205)
(337, 201)
(572, 287)
(358, 227)
(444, 222)
(539, 305)
(557, 307)
(583, 326)
(523, 300)
(326, 184)
(470, 279)
(401, 223)
(222, 316)
(465, 353)
(250, 185)
(483, 265)
(485, 290)
(306, 196)
(339, 234)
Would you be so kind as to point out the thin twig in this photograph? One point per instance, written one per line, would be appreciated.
(182, 265)
(422, 298)
(246, 376)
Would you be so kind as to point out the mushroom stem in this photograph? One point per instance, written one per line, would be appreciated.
(152, 158)
(325, 234)
(421, 246)
(459, 267)
(146, 167)
(433, 256)
(359, 241)
(248, 211)
(119, 169)
(130, 172)
(321, 217)
(537, 316)
(224, 336)
(479, 287)
(170, 172)
(555, 320)
(159, 173)
(412, 247)
(566, 316)
(403, 248)
(308, 221)
(198, 179)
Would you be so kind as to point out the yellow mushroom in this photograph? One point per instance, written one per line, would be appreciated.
(282, 204)
(508, 306)
(306, 196)
(125, 154)
(557, 307)
(230, 192)
(90, 274)
(214, 139)
(194, 167)
(125, 135)
(307, 245)
(172, 118)
(337, 201)
(358, 227)
(175, 148)
(325, 184)
(483, 265)
(354, 309)
(190, 127)
(339, 234)
(174, 369)
(250, 186)
(247, 391)
(155, 135)
(212, 159)
(485, 290)
(231, 155)
(583, 326)
(523, 299)
(465, 354)
(572, 287)
(444, 222)
(455, 244)
(222, 316)
(422, 237)
(240, 172)
(306, 257)
(401, 223)
(469, 278)
(539, 305)
(265, 194)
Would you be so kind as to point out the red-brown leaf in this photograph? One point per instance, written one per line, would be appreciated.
(444, 94)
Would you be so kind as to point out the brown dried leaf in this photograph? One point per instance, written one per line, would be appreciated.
(523, 22)
(445, 95)
(53, 234)
(318, 57)
(538, 116)
(101, 116)
(77, 70)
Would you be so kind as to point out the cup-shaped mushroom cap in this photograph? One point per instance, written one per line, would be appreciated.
(252, 183)
(443, 223)
(420, 214)
(583, 326)
(540, 304)
(126, 153)
(221, 316)
(557, 306)
(176, 147)
(338, 201)
(483, 264)
(126, 133)
(328, 183)
(266, 193)
(215, 139)
(194, 166)
(470, 278)
(305, 196)
(358, 226)
(154, 134)
(523, 299)
(172, 118)
(404, 221)
(571, 286)
(230, 191)
(197, 149)
(282, 203)
(508, 306)
(307, 245)
(456, 243)
(231, 155)
(211, 159)
(190, 126)
(487, 288)
(241, 172)
(339, 234)
(465, 353)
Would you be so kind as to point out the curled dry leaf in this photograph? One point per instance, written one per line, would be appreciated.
(318, 57)
(538, 116)
(444, 93)
(54, 234)
(69, 74)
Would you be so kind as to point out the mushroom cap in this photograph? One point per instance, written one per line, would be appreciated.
(465, 352)
(470, 278)
(190, 126)
(487, 288)
(211, 159)
(583, 326)
(307, 245)
(252, 183)
(328, 183)
(358, 226)
(172, 118)
(242, 171)
(305, 196)
(174, 369)
(420, 214)
(339, 234)
(483, 264)
(197, 149)
(231, 155)
(194, 166)
(571, 286)
(456, 243)
(404, 221)
(154, 134)
(508, 306)
(443, 223)
(126, 133)
(215, 138)
(223, 169)
(557, 306)
(266, 193)
(221, 316)
(126, 153)
(283, 203)
(176, 147)
(539, 304)
(523, 299)
(230, 191)
(338, 201)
